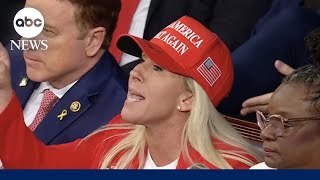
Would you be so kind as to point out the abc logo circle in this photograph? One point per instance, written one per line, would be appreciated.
(28, 22)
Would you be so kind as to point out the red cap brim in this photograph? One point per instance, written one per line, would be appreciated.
(135, 46)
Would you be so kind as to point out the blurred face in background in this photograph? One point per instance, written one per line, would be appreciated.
(298, 145)
(65, 59)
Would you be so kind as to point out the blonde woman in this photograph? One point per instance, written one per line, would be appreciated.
(168, 121)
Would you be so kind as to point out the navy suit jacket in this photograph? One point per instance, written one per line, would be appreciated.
(101, 93)
(231, 20)
(254, 71)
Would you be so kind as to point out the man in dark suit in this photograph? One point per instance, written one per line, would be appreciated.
(231, 20)
(76, 68)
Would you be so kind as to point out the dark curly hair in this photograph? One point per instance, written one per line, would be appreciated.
(309, 77)
(312, 41)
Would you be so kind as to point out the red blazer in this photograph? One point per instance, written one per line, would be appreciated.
(21, 149)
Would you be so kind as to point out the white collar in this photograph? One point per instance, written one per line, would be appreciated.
(58, 92)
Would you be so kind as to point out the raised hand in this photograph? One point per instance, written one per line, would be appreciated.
(283, 68)
(261, 102)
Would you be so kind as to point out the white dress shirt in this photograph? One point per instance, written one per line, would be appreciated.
(137, 27)
(33, 104)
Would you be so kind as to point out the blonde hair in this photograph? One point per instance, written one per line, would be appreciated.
(203, 124)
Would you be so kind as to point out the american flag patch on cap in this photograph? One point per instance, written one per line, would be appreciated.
(209, 71)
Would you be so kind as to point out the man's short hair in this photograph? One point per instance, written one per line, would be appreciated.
(96, 13)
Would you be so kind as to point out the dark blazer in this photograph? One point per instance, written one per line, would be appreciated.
(281, 38)
(231, 20)
(101, 93)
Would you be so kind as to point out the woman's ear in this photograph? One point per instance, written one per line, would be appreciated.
(185, 102)
(95, 37)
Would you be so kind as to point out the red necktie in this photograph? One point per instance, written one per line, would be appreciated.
(48, 101)
(128, 8)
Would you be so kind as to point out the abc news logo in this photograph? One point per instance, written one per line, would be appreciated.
(29, 23)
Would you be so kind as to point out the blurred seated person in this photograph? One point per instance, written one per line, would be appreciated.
(291, 130)
(261, 102)
(147, 17)
(281, 37)
(183, 130)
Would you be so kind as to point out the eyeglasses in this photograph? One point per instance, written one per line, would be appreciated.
(278, 122)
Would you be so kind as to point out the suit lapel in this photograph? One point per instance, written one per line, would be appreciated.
(22, 85)
(62, 114)
(24, 93)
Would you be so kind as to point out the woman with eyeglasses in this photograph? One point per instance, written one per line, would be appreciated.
(291, 131)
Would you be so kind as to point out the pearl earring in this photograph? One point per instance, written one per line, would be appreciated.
(179, 108)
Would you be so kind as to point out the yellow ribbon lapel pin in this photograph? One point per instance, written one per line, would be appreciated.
(62, 115)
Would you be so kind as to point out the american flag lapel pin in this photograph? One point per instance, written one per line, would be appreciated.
(24, 82)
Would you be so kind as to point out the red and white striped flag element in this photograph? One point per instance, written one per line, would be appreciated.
(209, 71)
